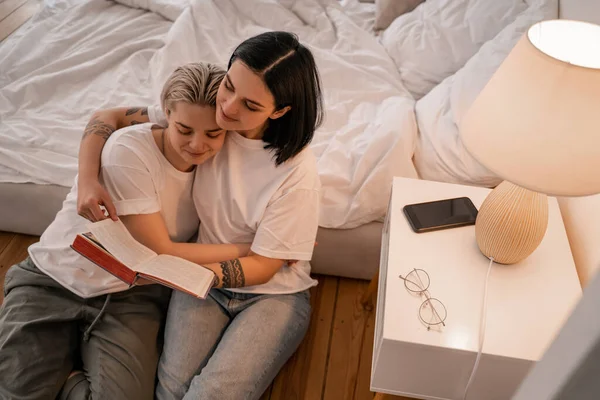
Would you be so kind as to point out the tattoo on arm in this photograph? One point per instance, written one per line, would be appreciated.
(145, 111)
(131, 111)
(98, 127)
(233, 274)
(216, 281)
(135, 122)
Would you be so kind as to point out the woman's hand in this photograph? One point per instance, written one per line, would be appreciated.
(91, 196)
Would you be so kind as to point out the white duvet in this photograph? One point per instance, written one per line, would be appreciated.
(96, 54)
(69, 60)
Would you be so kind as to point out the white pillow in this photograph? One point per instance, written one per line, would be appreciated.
(440, 154)
(436, 39)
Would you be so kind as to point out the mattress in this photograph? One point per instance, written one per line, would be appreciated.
(29, 208)
(350, 253)
(354, 253)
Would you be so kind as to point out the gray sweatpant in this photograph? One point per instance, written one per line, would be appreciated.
(45, 330)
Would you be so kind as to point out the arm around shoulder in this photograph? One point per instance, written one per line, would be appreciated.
(103, 123)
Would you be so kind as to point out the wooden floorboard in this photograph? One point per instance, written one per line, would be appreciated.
(5, 238)
(303, 375)
(14, 251)
(267, 394)
(17, 17)
(346, 341)
(8, 6)
(363, 378)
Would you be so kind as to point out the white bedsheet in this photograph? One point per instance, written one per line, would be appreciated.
(101, 54)
(71, 59)
(363, 14)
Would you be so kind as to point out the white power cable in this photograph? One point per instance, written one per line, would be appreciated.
(481, 329)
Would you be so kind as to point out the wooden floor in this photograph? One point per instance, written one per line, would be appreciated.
(333, 362)
(13, 13)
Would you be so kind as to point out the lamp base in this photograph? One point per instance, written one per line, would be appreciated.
(511, 223)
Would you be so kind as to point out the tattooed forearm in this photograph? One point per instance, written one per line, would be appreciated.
(145, 111)
(216, 281)
(134, 122)
(98, 127)
(131, 111)
(233, 274)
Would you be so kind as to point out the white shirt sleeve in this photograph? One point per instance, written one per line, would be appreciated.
(128, 181)
(289, 226)
(156, 115)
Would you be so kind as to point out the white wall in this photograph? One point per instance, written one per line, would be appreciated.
(582, 10)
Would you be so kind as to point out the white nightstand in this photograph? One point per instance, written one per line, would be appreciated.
(527, 304)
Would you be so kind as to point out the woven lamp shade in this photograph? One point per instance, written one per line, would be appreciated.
(536, 124)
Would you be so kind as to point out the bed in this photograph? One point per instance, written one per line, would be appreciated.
(393, 97)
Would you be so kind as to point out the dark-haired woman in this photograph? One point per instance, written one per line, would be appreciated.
(263, 188)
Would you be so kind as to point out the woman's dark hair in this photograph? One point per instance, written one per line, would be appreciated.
(290, 72)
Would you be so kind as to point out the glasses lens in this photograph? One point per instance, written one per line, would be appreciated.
(432, 312)
(417, 281)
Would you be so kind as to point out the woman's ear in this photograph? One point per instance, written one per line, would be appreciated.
(280, 113)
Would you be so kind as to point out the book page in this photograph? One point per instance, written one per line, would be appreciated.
(92, 238)
(117, 240)
(180, 273)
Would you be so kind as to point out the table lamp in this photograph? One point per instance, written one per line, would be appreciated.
(536, 124)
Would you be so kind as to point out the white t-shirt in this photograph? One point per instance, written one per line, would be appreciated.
(139, 180)
(242, 197)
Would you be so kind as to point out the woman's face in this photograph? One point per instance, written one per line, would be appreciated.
(193, 132)
(244, 103)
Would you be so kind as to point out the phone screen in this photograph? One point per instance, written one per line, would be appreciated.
(441, 214)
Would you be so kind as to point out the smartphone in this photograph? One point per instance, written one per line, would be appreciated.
(441, 214)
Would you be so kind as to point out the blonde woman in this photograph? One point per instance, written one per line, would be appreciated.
(62, 312)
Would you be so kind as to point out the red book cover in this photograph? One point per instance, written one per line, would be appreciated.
(93, 251)
(168, 270)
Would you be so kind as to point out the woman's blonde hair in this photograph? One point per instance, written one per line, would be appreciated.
(194, 83)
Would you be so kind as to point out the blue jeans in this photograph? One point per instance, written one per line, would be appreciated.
(229, 346)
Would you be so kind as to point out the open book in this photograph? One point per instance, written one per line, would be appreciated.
(110, 246)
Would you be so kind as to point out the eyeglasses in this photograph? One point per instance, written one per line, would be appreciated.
(432, 312)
